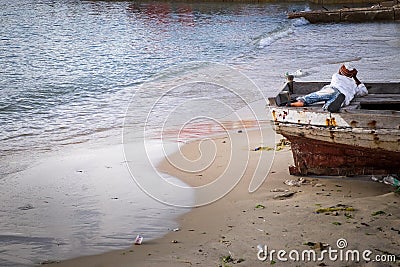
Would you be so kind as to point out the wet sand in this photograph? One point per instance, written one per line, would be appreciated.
(321, 214)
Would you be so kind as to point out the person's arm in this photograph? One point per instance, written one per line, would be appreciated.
(356, 80)
(355, 77)
(361, 90)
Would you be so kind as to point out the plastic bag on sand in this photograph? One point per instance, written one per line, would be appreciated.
(391, 180)
(298, 182)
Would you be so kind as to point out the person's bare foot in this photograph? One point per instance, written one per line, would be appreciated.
(298, 103)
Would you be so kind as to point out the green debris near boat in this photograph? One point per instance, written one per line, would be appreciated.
(335, 208)
(278, 147)
(267, 148)
(379, 212)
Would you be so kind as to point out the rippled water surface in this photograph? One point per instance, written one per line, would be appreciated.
(70, 68)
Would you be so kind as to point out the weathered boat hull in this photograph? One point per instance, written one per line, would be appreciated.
(356, 141)
(341, 152)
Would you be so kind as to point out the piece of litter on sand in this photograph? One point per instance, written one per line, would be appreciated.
(284, 195)
(138, 240)
(298, 182)
(282, 144)
(391, 180)
(263, 148)
(279, 190)
(176, 230)
(339, 207)
(375, 179)
(379, 212)
(317, 245)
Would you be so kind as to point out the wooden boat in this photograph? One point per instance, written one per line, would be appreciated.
(374, 13)
(363, 138)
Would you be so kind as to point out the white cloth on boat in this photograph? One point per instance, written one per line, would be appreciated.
(348, 87)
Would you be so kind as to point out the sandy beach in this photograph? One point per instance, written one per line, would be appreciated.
(331, 217)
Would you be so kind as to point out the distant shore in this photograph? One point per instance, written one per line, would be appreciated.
(315, 215)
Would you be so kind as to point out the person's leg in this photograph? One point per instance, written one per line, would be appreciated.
(324, 94)
(335, 103)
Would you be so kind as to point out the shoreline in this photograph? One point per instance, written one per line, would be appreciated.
(228, 231)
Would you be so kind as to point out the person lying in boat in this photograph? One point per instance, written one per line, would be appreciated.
(342, 89)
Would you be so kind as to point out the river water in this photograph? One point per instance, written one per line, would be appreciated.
(69, 72)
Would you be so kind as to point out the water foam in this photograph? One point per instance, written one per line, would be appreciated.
(281, 32)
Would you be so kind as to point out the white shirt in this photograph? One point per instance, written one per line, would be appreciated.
(348, 87)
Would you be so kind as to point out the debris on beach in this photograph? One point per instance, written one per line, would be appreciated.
(229, 259)
(379, 212)
(259, 206)
(174, 241)
(226, 242)
(348, 215)
(391, 179)
(266, 148)
(396, 230)
(339, 207)
(279, 146)
(282, 144)
(284, 195)
(226, 259)
(317, 245)
(138, 240)
(279, 190)
(299, 182)
(176, 229)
